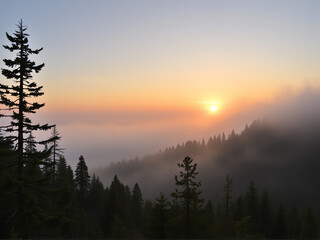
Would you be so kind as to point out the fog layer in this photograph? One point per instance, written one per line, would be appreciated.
(280, 152)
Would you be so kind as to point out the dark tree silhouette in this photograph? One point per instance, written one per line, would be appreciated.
(116, 211)
(189, 191)
(227, 195)
(136, 206)
(265, 214)
(56, 151)
(158, 216)
(160, 211)
(96, 204)
(251, 198)
(82, 181)
(65, 199)
(17, 101)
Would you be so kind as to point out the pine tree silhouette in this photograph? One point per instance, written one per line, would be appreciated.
(189, 194)
(17, 101)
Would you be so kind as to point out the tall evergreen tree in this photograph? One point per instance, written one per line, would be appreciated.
(17, 101)
(65, 198)
(82, 181)
(95, 208)
(227, 195)
(116, 211)
(136, 208)
(188, 193)
(225, 219)
(56, 151)
(158, 219)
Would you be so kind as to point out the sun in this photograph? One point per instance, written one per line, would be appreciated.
(213, 108)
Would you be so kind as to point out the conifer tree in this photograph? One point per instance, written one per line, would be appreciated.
(251, 198)
(265, 215)
(56, 151)
(65, 199)
(18, 105)
(82, 181)
(188, 192)
(96, 205)
(252, 208)
(136, 206)
(225, 218)
(227, 194)
(160, 213)
(116, 208)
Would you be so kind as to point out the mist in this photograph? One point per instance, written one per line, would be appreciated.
(111, 136)
(279, 151)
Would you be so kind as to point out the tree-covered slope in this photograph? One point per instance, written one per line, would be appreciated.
(283, 160)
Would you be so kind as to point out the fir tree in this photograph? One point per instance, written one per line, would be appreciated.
(96, 204)
(56, 151)
(265, 215)
(227, 195)
(252, 208)
(116, 208)
(136, 206)
(188, 193)
(17, 101)
(157, 223)
(82, 181)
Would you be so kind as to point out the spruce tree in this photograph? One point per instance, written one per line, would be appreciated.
(16, 98)
(82, 181)
(65, 199)
(82, 184)
(96, 204)
(159, 219)
(136, 207)
(227, 195)
(225, 218)
(265, 215)
(116, 209)
(56, 152)
(188, 193)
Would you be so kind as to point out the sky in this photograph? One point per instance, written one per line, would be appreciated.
(128, 78)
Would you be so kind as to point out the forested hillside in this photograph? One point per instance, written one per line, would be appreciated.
(282, 160)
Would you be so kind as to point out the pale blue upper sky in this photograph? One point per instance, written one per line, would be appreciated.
(115, 38)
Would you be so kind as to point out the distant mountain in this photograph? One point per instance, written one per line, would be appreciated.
(281, 159)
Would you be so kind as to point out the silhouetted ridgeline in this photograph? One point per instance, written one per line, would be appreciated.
(282, 160)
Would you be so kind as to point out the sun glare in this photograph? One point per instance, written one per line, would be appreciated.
(213, 108)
